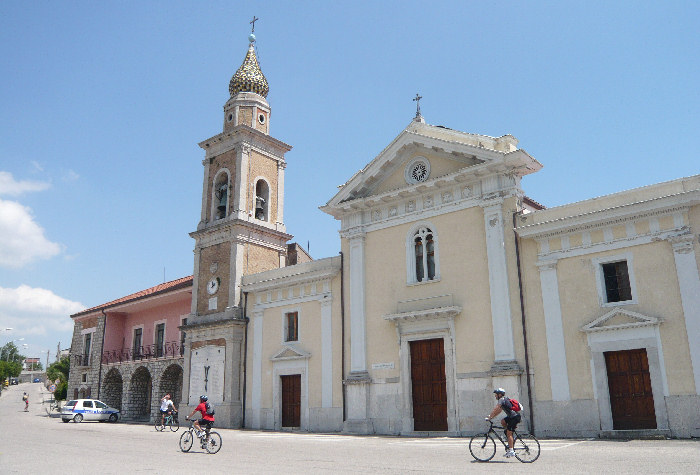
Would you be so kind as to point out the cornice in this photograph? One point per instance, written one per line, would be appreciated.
(609, 216)
(429, 314)
(244, 134)
(299, 274)
(240, 231)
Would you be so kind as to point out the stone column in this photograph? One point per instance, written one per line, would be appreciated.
(556, 350)
(240, 203)
(504, 352)
(689, 283)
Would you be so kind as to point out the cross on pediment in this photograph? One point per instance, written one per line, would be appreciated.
(253, 23)
(417, 101)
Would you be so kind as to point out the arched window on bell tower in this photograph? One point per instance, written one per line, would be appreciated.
(262, 200)
(220, 195)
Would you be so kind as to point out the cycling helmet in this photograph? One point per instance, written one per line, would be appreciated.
(203, 397)
(499, 391)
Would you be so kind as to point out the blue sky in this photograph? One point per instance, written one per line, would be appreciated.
(103, 104)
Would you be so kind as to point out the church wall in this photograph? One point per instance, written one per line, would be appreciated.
(316, 351)
(463, 275)
(656, 294)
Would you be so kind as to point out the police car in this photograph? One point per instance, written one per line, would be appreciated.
(79, 410)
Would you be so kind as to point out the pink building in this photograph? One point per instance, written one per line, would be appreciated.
(128, 352)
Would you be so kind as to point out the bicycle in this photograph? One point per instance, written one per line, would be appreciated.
(169, 420)
(483, 447)
(211, 444)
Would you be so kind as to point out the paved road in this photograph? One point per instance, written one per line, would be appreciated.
(32, 443)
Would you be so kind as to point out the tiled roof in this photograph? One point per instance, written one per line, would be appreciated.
(158, 289)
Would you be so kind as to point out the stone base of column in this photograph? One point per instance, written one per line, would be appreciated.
(505, 368)
(357, 400)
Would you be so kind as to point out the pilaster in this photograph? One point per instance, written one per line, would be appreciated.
(358, 348)
(280, 196)
(241, 186)
(326, 352)
(205, 194)
(689, 283)
(556, 350)
(498, 283)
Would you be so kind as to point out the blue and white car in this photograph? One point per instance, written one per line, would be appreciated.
(79, 410)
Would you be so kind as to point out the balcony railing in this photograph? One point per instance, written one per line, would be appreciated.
(170, 349)
(81, 360)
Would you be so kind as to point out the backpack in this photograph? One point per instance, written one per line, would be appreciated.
(516, 405)
(210, 409)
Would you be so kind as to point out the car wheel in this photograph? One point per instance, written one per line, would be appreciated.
(113, 418)
(65, 420)
(78, 418)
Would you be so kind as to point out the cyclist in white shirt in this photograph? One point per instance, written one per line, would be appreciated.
(166, 407)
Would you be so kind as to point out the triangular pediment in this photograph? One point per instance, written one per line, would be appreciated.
(452, 156)
(290, 353)
(618, 319)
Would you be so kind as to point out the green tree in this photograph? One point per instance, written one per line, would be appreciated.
(59, 370)
(10, 361)
(10, 352)
(9, 369)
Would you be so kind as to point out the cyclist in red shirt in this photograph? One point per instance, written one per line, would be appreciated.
(207, 420)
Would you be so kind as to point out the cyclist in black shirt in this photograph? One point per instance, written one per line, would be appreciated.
(510, 422)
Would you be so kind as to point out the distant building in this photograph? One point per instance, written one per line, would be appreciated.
(30, 364)
(450, 282)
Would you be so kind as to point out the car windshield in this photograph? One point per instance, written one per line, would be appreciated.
(71, 403)
(100, 404)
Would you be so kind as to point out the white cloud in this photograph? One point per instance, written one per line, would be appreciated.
(34, 311)
(21, 238)
(10, 187)
(70, 176)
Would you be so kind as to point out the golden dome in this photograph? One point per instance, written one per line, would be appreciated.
(249, 77)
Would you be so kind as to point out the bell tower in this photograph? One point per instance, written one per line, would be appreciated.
(241, 231)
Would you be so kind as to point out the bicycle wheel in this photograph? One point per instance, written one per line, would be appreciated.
(527, 448)
(159, 425)
(482, 447)
(186, 440)
(213, 445)
(174, 424)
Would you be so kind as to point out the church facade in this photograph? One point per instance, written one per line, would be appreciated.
(450, 282)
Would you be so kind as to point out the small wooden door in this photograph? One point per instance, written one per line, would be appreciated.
(631, 399)
(429, 386)
(291, 400)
